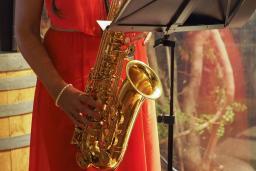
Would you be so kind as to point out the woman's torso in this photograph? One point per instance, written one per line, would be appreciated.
(77, 15)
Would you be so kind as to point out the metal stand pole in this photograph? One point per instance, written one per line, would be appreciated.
(169, 119)
(171, 125)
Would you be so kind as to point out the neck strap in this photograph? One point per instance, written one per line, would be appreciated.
(107, 5)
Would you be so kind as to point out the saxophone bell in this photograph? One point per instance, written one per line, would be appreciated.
(141, 83)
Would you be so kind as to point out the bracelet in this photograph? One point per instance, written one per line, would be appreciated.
(60, 93)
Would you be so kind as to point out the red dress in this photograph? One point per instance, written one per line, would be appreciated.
(73, 54)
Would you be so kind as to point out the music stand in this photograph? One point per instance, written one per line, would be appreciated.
(169, 16)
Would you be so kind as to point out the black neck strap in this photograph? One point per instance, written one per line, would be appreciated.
(107, 5)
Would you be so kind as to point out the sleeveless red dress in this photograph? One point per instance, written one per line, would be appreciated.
(73, 54)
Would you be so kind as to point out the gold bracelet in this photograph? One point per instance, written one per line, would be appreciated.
(60, 93)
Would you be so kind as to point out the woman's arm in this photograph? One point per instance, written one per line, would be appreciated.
(27, 28)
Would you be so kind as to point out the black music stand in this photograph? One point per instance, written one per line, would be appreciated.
(169, 16)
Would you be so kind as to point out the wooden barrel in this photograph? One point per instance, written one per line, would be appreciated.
(17, 83)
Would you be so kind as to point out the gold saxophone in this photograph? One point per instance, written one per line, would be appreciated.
(103, 141)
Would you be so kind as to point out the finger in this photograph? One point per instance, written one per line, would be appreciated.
(88, 112)
(92, 103)
(77, 119)
(71, 117)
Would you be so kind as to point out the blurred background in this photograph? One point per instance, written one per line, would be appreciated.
(215, 98)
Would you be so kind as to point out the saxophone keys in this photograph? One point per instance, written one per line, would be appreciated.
(104, 107)
(131, 52)
(95, 157)
(106, 132)
(115, 141)
(105, 157)
(121, 120)
(127, 40)
(77, 136)
(101, 123)
(118, 132)
(82, 160)
(102, 144)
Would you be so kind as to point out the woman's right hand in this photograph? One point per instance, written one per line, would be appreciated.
(77, 105)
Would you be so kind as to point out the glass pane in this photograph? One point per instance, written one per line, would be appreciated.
(215, 99)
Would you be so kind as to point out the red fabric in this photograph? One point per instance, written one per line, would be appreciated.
(206, 102)
(235, 57)
(73, 54)
(79, 15)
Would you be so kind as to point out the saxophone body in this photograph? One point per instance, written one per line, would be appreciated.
(103, 140)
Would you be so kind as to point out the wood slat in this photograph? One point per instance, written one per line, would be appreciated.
(17, 96)
(12, 62)
(18, 155)
(16, 109)
(5, 161)
(14, 142)
(15, 83)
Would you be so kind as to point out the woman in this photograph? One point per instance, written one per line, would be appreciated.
(64, 58)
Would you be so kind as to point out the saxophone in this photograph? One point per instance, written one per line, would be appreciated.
(102, 141)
